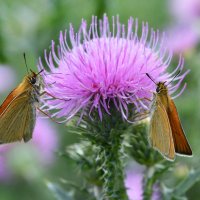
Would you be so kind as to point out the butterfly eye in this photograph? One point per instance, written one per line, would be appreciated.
(158, 89)
(33, 80)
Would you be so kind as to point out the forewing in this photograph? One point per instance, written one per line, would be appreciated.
(9, 99)
(18, 119)
(160, 132)
(180, 141)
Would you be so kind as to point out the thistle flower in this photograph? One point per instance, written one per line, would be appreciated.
(104, 66)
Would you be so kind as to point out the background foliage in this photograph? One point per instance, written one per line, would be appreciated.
(29, 26)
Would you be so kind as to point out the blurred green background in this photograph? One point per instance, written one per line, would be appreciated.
(29, 26)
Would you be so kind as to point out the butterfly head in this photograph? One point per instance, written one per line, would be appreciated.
(161, 88)
(33, 77)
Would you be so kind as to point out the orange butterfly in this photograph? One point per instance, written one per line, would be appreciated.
(166, 132)
(18, 111)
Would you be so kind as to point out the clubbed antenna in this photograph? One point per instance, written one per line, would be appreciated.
(40, 71)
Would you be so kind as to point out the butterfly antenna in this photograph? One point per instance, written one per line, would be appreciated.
(151, 78)
(174, 77)
(40, 71)
(25, 62)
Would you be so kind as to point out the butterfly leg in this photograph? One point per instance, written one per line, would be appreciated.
(47, 93)
(141, 116)
(48, 115)
(144, 98)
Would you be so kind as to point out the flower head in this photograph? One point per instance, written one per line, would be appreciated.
(104, 66)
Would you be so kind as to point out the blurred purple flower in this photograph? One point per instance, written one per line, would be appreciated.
(7, 78)
(102, 67)
(134, 183)
(5, 174)
(185, 10)
(185, 34)
(182, 38)
(43, 144)
(45, 139)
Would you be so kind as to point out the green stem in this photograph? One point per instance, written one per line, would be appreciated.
(111, 167)
(153, 174)
(148, 183)
(107, 135)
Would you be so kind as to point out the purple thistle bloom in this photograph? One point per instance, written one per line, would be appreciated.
(105, 65)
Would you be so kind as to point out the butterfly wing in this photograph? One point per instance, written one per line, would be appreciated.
(180, 141)
(160, 132)
(17, 120)
(11, 97)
